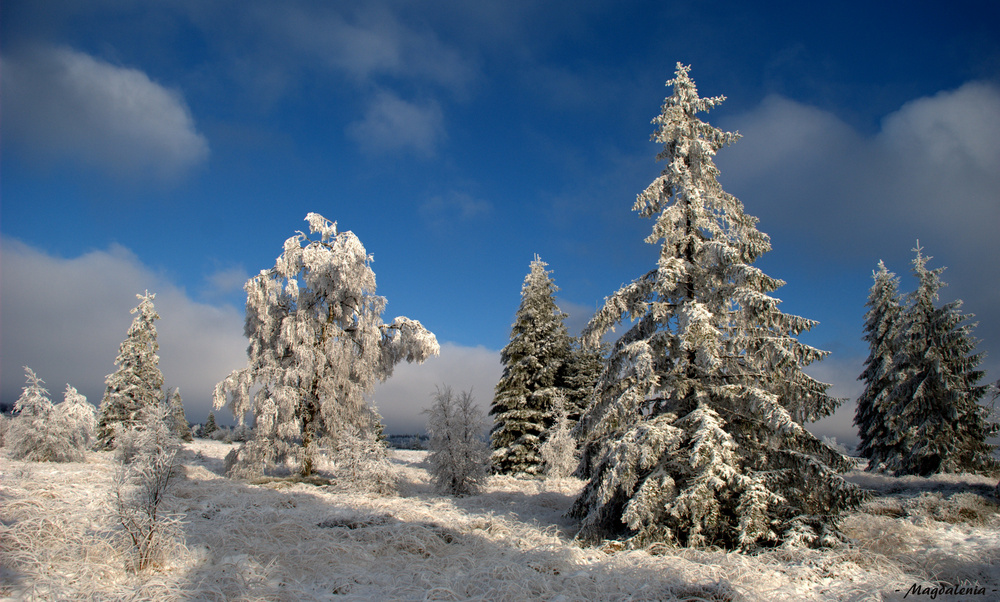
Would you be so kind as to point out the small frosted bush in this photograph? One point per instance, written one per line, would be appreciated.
(42, 432)
(559, 453)
(147, 456)
(459, 453)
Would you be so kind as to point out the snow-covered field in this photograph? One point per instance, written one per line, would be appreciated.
(283, 541)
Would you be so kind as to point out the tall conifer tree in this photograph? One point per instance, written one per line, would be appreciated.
(138, 382)
(882, 323)
(937, 424)
(698, 414)
(526, 398)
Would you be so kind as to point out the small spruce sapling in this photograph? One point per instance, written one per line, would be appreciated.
(559, 452)
(41, 432)
(178, 421)
(147, 455)
(210, 426)
(79, 417)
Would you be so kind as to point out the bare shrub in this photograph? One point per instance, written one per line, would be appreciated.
(148, 457)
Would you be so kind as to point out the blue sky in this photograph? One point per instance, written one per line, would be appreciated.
(174, 146)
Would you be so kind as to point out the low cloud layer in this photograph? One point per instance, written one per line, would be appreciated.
(402, 398)
(65, 318)
(843, 200)
(60, 103)
(930, 172)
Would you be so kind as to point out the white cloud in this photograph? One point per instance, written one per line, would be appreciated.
(844, 200)
(931, 169)
(392, 124)
(65, 318)
(61, 103)
(402, 398)
(228, 280)
(455, 206)
(369, 43)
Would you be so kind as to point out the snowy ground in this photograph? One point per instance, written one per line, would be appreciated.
(285, 541)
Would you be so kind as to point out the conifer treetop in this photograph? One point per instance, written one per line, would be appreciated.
(34, 399)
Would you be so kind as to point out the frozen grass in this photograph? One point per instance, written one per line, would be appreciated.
(299, 541)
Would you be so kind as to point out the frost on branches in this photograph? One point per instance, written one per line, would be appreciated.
(138, 382)
(697, 418)
(178, 420)
(525, 399)
(882, 322)
(317, 347)
(459, 457)
(41, 432)
(933, 421)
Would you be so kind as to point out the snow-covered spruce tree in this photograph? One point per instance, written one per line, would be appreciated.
(882, 322)
(178, 421)
(937, 424)
(460, 456)
(210, 427)
(525, 398)
(138, 382)
(579, 376)
(317, 347)
(698, 414)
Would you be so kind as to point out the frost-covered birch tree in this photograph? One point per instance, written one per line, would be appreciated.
(460, 456)
(318, 345)
(697, 417)
(935, 422)
(525, 399)
(137, 383)
(882, 322)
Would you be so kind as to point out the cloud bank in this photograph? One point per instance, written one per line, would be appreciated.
(929, 172)
(843, 200)
(60, 103)
(65, 318)
(402, 398)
